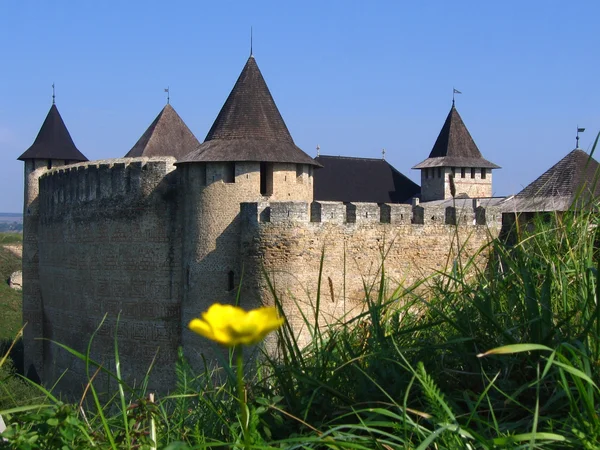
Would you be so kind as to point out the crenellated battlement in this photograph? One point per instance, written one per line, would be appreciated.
(124, 180)
(466, 212)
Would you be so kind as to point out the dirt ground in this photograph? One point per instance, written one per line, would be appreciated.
(16, 249)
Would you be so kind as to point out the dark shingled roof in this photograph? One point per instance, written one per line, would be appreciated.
(455, 147)
(53, 141)
(566, 178)
(361, 180)
(249, 127)
(168, 135)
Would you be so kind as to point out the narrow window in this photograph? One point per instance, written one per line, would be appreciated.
(472, 172)
(229, 175)
(49, 165)
(299, 173)
(453, 171)
(439, 172)
(230, 280)
(462, 172)
(266, 178)
(202, 174)
(483, 174)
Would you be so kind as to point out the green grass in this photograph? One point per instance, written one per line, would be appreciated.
(11, 238)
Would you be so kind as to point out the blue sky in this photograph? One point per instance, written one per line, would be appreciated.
(352, 77)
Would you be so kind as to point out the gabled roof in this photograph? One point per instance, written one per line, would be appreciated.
(53, 141)
(168, 135)
(361, 180)
(574, 179)
(249, 127)
(455, 147)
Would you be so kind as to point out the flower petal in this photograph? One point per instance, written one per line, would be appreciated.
(230, 325)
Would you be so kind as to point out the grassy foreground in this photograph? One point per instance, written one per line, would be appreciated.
(505, 357)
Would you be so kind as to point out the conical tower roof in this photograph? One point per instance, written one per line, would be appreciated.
(53, 141)
(573, 181)
(455, 147)
(168, 135)
(574, 174)
(249, 127)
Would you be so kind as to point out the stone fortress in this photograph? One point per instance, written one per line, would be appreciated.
(151, 240)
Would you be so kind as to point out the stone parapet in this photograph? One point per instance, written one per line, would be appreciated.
(369, 214)
(123, 180)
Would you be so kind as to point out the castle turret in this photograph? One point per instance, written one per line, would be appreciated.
(167, 135)
(52, 147)
(456, 155)
(248, 156)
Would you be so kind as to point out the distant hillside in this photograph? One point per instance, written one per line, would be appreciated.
(11, 222)
(11, 217)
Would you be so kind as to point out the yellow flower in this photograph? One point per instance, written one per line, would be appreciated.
(230, 325)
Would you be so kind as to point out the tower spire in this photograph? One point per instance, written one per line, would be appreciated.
(251, 54)
(454, 92)
(579, 130)
(168, 95)
(53, 95)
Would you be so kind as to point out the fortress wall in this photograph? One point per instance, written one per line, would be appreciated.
(211, 234)
(354, 238)
(110, 244)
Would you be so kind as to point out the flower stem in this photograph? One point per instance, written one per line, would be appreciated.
(242, 398)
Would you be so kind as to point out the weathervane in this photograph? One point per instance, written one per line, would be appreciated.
(168, 95)
(318, 150)
(579, 130)
(383, 154)
(454, 91)
(53, 95)
(251, 41)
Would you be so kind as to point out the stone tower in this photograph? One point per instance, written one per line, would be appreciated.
(455, 155)
(248, 156)
(52, 147)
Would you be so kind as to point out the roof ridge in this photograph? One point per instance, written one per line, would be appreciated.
(352, 157)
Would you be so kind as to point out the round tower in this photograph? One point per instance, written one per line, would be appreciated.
(52, 147)
(248, 156)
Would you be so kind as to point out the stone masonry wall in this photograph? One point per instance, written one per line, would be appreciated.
(211, 234)
(438, 188)
(416, 241)
(32, 301)
(110, 248)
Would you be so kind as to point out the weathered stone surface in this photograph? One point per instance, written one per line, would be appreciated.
(16, 280)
